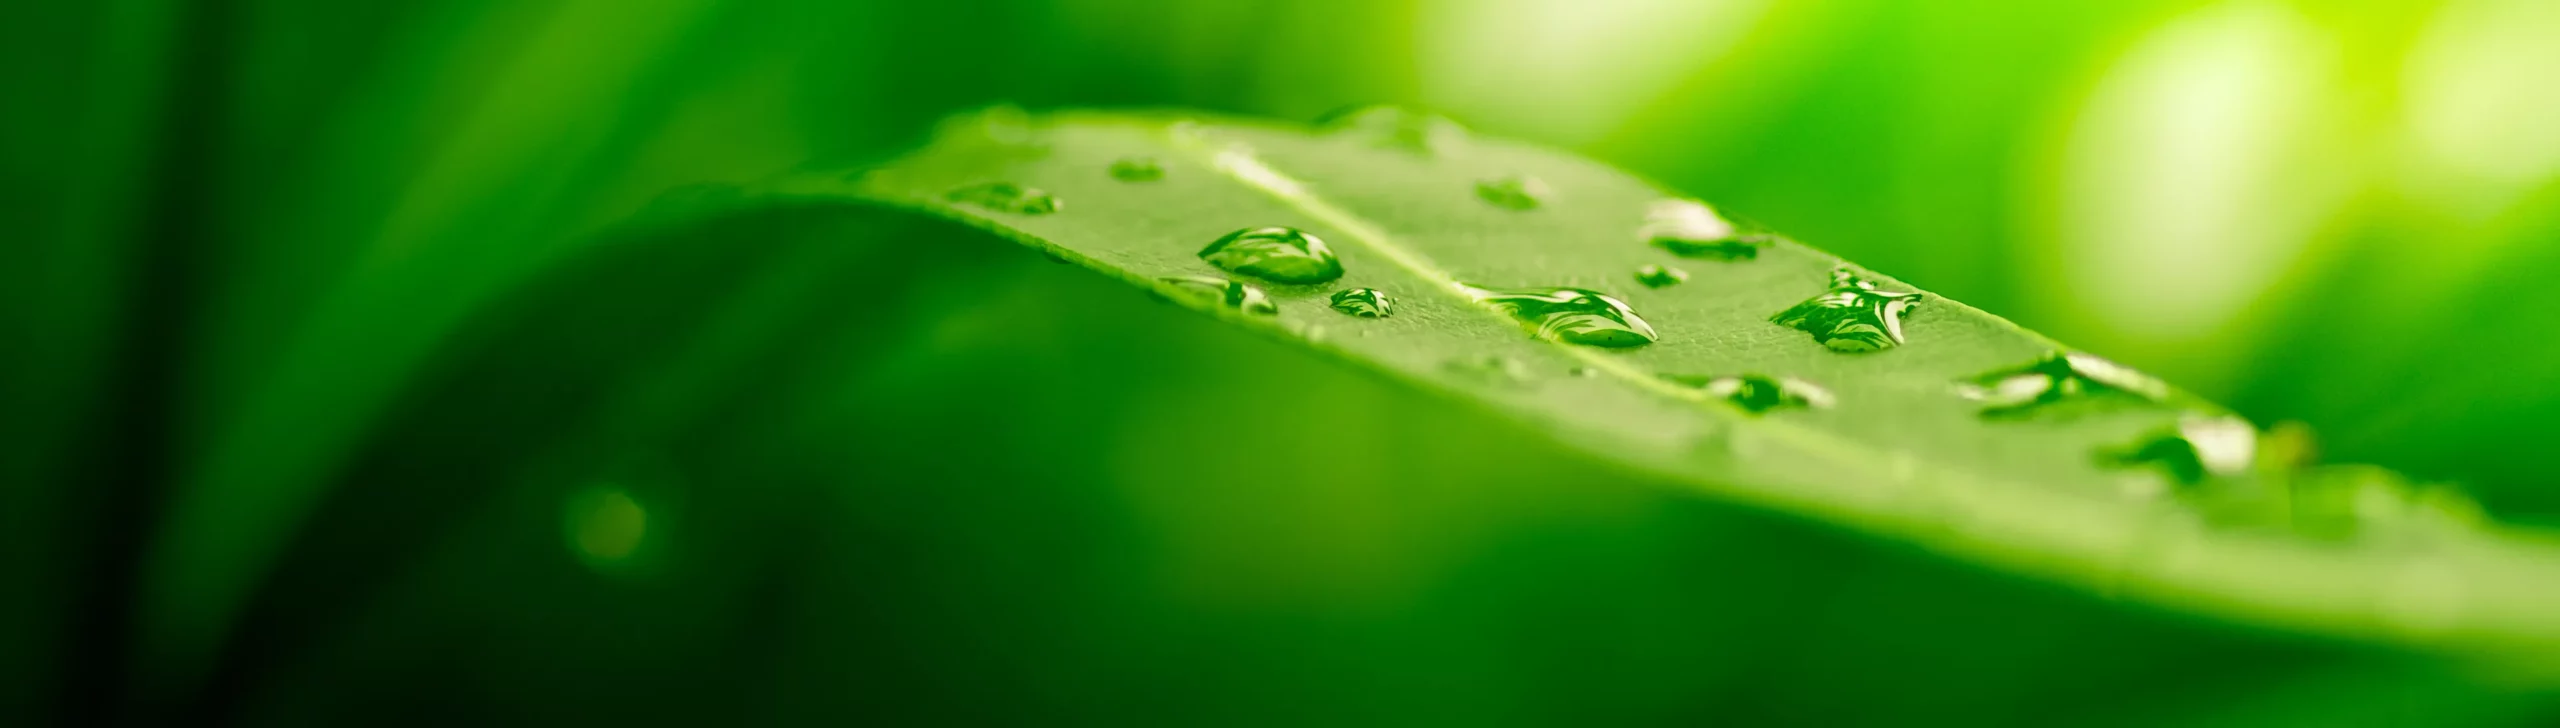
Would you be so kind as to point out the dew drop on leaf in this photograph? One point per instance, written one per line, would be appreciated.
(1231, 294)
(1513, 193)
(1399, 128)
(1756, 393)
(1363, 302)
(1571, 315)
(1277, 254)
(1690, 229)
(1137, 169)
(2197, 448)
(1007, 197)
(1854, 316)
(2057, 378)
(1655, 276)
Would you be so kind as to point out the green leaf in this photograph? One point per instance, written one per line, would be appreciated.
(1773, 374)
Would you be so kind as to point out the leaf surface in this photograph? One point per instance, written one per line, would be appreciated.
(1771, 373)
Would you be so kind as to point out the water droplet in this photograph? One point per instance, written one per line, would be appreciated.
(1585, 372)
(1571, 315)
(1277, 254)
(1491, 368)
(1363, 302)
(1395, 127)
(1655, 276)
(1516, 192)
(1007, 197)
(1854, 316)
(2197, 448)
(2055, 378)
(1137, 169)
(1690, 229)
(1231, 294)
(1755, 393)
(604, 525)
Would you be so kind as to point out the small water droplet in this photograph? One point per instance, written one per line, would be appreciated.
(1584, 372)
(1655, 276)
(1277, 254)
(1363, 302)
(1395, 127)
(1514, 193)
(1491, 368)
(1231, 294)
(1137, 169)
(1854, 316)
(1571, 315)
(1007, 197)
(1756, 393)
(2197, 448)
(1690, 229)
(605, 525)
(2055, 378)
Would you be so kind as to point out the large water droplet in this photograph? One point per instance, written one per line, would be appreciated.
(1395, 127)
(1516, 192)
(1571, 315)
(1363, 302)
(1655, 276)
(1007, 197)
(2056, 378)
(1277, 254)
(1231, 294)
(1756, 393)
(1137, 169)
(1854, 316)
(2197, 448)
(1690, 229)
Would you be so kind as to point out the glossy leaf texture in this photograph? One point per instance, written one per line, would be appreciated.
(1940, 425)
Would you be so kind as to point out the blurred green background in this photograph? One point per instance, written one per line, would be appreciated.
(325, 404)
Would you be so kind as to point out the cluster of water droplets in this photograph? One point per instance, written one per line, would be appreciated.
(1853, 314)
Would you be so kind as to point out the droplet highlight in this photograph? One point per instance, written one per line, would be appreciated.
(2057, 378)
(1854, 316)
(1136, 169)
(1756, 393)
(2199, 447)
(1570, 315)
(1276, 254)
(1691, 229)
(1007, 197)
(1234, 295)
(1398, 128)
(1363, 302)
(1656, 276)
(1513, 193)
